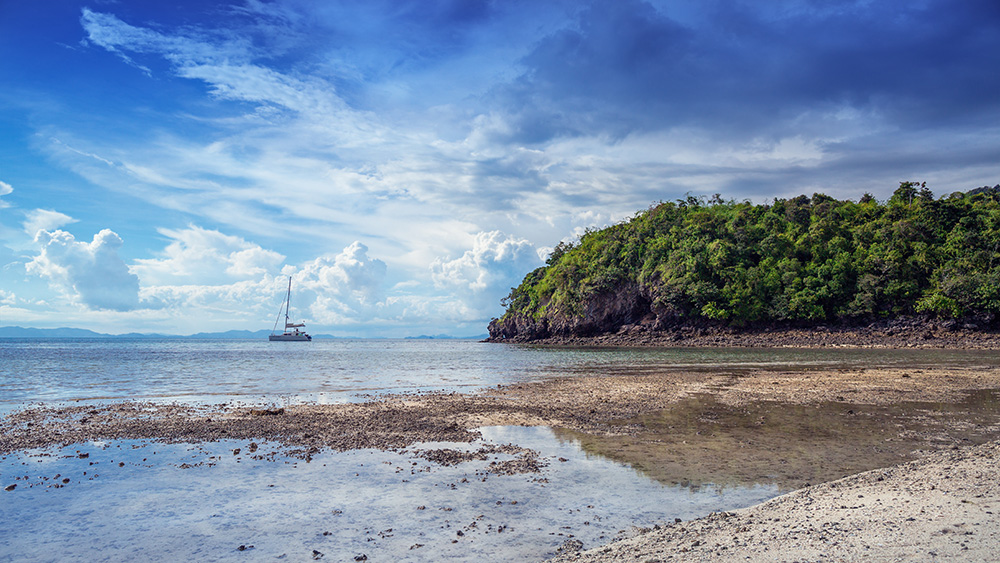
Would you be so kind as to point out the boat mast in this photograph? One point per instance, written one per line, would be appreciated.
(288, 298)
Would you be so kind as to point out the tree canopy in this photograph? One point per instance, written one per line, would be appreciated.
(802, 259)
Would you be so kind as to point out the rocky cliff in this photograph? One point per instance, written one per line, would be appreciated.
(602, 313)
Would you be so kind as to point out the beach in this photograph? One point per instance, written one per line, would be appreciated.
(891, 462)
(940, 508)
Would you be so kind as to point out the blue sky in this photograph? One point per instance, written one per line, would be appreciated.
(165, 165)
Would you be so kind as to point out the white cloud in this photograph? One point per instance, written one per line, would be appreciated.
(197, 256)
(337, 290)
(347, 291)
(494, 264)
(246, 302)
(5, 189)
(45, 220)
(345, 287)
(360, 273)
(7, 297)
(223, 62)
(92, 273)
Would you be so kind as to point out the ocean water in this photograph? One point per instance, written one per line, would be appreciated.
(200, 371)
(138, 500)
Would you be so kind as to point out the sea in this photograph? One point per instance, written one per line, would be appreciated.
(144, 500)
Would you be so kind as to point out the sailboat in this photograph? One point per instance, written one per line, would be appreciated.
(292, 332)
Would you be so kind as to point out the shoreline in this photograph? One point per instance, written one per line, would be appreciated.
(899, 333)
(941, 507)
(793, 428)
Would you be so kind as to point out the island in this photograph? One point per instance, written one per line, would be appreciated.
(808, 271)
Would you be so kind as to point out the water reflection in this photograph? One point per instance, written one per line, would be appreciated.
(702, 441)
(139, 500)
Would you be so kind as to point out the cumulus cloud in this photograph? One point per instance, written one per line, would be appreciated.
(92, 273)
(495, 263)
(345, 287)
(45, 219)
(342, 291)
(355, 270)
(197, 256)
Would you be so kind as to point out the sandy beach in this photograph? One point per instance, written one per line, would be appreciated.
(940, 508)
(883, 464)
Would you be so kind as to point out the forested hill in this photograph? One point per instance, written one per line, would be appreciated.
(798, 261)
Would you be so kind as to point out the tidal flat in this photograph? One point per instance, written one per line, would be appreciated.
(231, 500)
(525, 471)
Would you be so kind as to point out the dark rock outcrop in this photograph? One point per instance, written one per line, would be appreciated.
(603, 313)
(628, 318)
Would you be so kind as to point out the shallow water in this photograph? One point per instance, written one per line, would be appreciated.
(202, 502)
(184, 502)
(205, 371)
(701, 441)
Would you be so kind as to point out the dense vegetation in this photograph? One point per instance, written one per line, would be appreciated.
(804, 259)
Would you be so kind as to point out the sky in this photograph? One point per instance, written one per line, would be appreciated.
(166, 166)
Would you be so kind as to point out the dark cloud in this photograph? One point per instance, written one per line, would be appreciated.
(626, 66)
(621, 56)
(913, 63)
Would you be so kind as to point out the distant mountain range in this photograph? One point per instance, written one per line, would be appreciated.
(66, 332)
(447, 337)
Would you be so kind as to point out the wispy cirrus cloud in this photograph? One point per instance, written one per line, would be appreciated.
(746, 82)
(226, 63)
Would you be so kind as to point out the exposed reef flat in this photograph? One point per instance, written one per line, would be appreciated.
(793, 428)
(600, 405)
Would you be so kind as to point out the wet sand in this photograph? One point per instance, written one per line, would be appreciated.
(791, 428)
(940, 508)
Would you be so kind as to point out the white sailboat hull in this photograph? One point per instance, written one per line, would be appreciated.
(289, 338)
